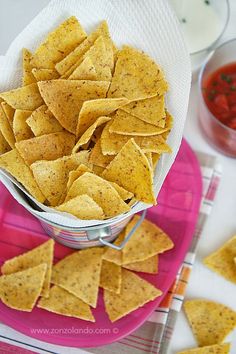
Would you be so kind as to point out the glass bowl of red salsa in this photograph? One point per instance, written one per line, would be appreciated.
(217, 94)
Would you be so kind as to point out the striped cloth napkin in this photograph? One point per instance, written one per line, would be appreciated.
(154, 335)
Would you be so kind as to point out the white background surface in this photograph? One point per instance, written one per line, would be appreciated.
(14, 16)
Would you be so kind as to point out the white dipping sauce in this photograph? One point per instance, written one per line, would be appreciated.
(200, 22)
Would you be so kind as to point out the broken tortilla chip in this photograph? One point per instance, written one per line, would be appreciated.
(123, 193)
(83, 207)
(28, 77)
(147, 241)
(120, 305)
(73, 175)
(21, 129)
(13, 163)
(52, 176)
(212, 349)
(9, 111)
(131, 170)
(101, 192)
(64, 98)
(46, 147)
(110, 277)
(35, 257)
(210, 321)
(6, 129)
(222, 260)
(45, 74)
(149, 265)
(42, 122)
(58, 44)
(93, 109)
(63, 303)
(21, 290)
(4, 146)
(79, 273)
(136, 76)
(85, 71)
(97, 157)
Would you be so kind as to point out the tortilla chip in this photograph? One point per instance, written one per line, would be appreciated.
(120, 305)
(110, 277)
(123, 193)
(64, 98)
(155, 159)
(73, 175)
(45, 74)
(101, 192)
(112, 143)
(4, 146)
(126, 124)
(94, 109)
(46, 147)
(5, 129)
(98, 170)
(63, 303)
(85, 71)
(210, 321)
(21, 129)
(149, 265)
(28, 77)
(9, 111)
(130, 169)
(15, 165)
(58, 44)
(212, 349)
(222, 260)
(21, 290)
(52, 176)
(97, 157)
(72, 60)
(150, 110)
(113, 255)
(35, 257)
(42, 122)
(79, 273)
(83, 207)
(147, 241)
(136, 76)
(89, 132)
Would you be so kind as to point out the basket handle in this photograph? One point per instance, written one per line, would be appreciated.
(119, 248)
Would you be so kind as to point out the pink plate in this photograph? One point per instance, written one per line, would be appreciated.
(176, 213)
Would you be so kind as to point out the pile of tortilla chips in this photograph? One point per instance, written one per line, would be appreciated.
(86, 129)
(76, 278)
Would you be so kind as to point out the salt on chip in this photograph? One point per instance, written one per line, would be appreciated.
(63, 303)
(136, 75)
(4, 146)
(26, 97)
(13, 163)
(79, 273)
(73, 59)
(147, 241)
(149, 265)
(93, 109)
(64, 98)
(110, 277)
(113, 255)
(89, 132)
(83, 207)
(212, 349)
(131, 170)
(58, 44)
(21, 290)
(85, 71)
(73, 175)
(120, 305)
(28, 77)
(42, 121)
(33, 258)
(97, 157)
(45, 74)
(210, 321)
(112, 143)
(100, 191)
(126, 124)
(9, 111)
(6, 129)
(222, 260)
(46, 147)
(150, 110)
(52, 176)
(21, 129)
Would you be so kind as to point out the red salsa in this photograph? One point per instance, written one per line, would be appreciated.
(219, 91)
